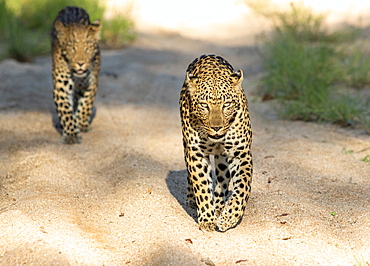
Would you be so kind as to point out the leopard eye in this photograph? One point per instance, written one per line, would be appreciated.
(228, 104)
(203, 105)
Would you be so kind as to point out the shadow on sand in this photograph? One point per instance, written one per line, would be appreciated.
(177, 185)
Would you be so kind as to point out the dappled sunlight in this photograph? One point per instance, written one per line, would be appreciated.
(158, 135)
(68, 240)
(119, 196)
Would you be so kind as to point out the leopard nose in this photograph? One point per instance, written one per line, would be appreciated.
(216, 128)
(80, 64)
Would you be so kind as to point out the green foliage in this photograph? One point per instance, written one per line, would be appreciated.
(345, 151)
(365, 120)
(308, 66)
(357, 68)
(366, 159)
(118, 32)
(345, 110)
(293, 69)
(32, 18)
(24, 44)
(25, 25)
(5, 18)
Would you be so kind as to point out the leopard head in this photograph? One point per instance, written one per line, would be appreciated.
(79, 44)
(215, 101)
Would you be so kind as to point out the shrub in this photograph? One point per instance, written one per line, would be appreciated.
(307, 67)
(118, 32)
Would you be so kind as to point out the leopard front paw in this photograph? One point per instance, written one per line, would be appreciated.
(208, 225)
(71, 139)
(85, 129)
(227, 220)
(190, 202)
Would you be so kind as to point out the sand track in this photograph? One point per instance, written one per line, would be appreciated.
(118, 198)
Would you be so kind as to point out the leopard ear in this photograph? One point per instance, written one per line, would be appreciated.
(237, 78)
(95, 28)
(190, 83)
(59, 27)
(61, 32)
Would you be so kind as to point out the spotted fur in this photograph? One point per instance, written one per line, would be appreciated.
(75, 70)
(215, 121)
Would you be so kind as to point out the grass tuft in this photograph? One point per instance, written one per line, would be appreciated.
(119, 32)
(311, 71)
(357, 69)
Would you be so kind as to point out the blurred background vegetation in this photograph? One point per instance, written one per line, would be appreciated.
(313, 73)
(25, 26)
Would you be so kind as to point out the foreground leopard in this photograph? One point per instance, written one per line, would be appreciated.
(215, 121)
(76, 66)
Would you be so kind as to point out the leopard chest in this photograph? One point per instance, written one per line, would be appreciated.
(229, 146)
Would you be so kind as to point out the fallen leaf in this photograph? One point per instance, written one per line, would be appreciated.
(266, 97)
(208, 262)
(239, 261)
(188, 240)
(150, 190)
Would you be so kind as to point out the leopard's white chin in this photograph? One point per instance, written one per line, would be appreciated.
(216, 137)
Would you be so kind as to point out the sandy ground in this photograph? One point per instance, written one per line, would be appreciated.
(119, 197)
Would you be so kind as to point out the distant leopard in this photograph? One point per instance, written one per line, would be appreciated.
(75, 70)
(215, 121)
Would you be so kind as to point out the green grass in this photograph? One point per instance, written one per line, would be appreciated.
(366, 159)
(119, 32)
(25, 26)
(31, 13)
(24, 44)
(357, 68)
(346, 109)
(311, 71)
(348, 152)
(365, 120)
